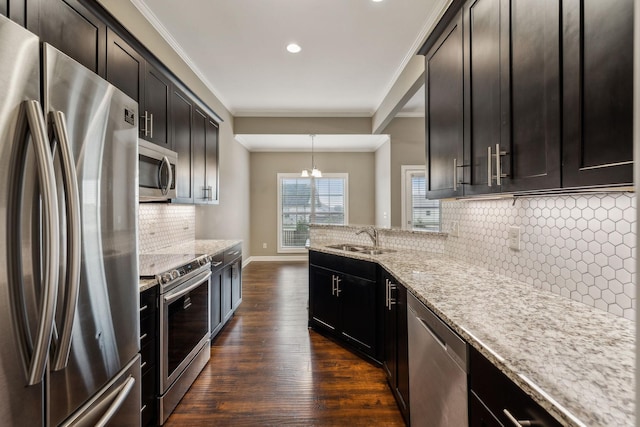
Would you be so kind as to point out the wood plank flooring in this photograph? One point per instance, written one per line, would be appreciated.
(268, 369)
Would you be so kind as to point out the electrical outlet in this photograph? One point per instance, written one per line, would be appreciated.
(264, 246)
(514, 238)
(455, 229)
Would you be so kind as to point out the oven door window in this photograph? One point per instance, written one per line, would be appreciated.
(149, 172)
(187, 324)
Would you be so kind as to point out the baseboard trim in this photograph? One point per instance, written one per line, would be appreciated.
(276, 258)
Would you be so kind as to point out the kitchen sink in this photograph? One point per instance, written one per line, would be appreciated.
(369, 250)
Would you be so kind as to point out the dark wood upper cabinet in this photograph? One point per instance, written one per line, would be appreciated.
(486, 123)
(598, 92)
(156, 107)
(534, 158)
(182, 127)
(199, 154)
(125, 68)
(72, 28)
(444, 118)
(548, 97)
(211, 163)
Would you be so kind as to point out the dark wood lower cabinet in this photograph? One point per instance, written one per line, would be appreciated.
(216, 319)
(149, 351)
(493, 395)
(396, 349)
(345, 305)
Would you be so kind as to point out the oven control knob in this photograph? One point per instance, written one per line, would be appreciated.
(166, 278)
(202, 261)
(175, 274)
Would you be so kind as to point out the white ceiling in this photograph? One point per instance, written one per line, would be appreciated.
(352, 50)
(322, 143)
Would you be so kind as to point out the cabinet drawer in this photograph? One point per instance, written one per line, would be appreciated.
(354, 267)
(148, 356)
(498, 393)
(149, 398)
(147, 329)
(148, 303)
(217, 261)
(233, 253)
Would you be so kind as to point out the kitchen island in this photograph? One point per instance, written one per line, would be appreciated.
(576, 361)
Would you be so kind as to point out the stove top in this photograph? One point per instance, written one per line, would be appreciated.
(154, 265)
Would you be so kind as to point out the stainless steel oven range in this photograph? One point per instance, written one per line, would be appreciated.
(184, 323)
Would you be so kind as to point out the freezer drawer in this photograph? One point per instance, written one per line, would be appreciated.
(117, 404)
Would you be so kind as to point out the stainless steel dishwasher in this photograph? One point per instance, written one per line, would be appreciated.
(438, 366)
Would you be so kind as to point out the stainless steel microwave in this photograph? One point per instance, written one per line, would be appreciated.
(157, 172)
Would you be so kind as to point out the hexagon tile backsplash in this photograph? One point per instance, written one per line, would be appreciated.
(582, 247)
(162, 224)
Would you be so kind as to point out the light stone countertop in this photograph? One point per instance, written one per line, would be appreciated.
(209, 247)
(576, 361)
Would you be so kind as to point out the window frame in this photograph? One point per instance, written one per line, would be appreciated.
(406, 172)
(287, 175)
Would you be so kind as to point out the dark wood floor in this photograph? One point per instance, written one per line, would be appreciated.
(268, 369)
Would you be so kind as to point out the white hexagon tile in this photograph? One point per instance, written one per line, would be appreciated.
(162, 224)
(581, 247)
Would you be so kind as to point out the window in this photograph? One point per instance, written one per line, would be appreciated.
(418, 213)
(309, 200)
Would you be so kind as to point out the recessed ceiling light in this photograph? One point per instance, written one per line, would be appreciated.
(376, 1)
(293, 48)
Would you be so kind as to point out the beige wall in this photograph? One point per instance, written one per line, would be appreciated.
(264, 170)
(230, 219)
(383, 185)
(407, 148)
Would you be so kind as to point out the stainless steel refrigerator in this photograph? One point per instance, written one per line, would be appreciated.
(69, 329)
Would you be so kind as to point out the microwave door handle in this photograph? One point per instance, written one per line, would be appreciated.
(165, 189)
(74, 241)
(32, 121)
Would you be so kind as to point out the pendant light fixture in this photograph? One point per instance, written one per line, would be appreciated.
(315, 173)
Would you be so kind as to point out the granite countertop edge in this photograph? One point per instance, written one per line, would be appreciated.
(210, 247)
(410, 268)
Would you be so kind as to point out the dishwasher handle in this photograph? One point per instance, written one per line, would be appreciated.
(451, 342)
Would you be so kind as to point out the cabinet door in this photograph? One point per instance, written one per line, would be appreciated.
(71, 28)
(199, 155)
(402, 344)
(323, 303)
(211, 162)
(390, 363)
(444, 118)
(357, 298)
(479, 415)
(598, 92)
(227, 307)
(182, 119)
(535, 95)
(486, 92)
(156, 106)
(236, 284)
(215, 320)
(125, 68)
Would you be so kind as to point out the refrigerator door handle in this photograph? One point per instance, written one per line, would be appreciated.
(117, 403)
(74, 242)
(35, 357)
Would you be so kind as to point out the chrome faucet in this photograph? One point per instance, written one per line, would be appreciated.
(371, 232)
